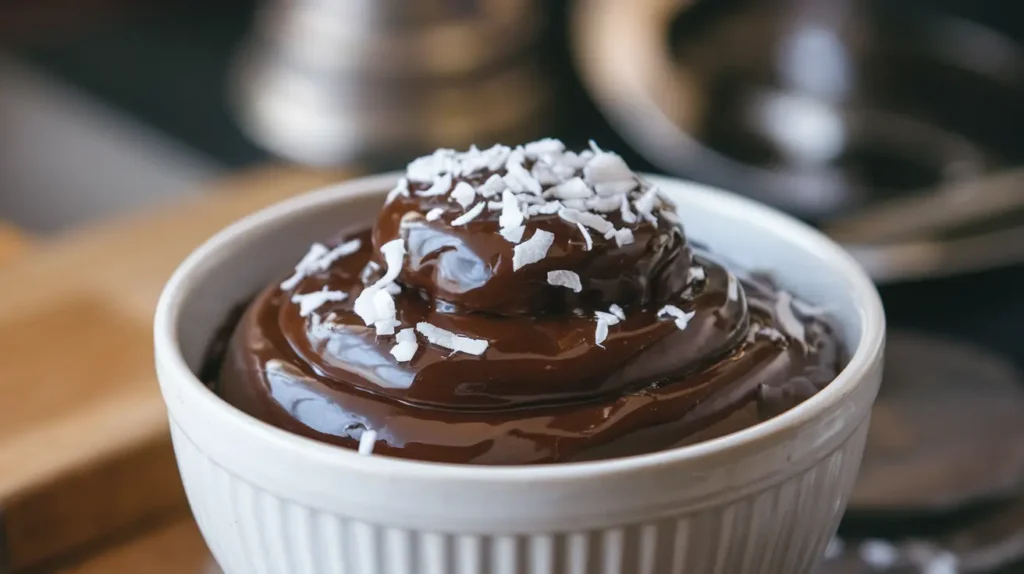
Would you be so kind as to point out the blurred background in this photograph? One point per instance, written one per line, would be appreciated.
(131, 129)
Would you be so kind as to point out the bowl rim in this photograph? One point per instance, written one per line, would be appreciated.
(174, 371)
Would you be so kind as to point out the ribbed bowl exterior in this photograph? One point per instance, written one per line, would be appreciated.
(779, 528)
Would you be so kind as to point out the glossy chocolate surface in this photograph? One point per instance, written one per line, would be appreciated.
(543, 391)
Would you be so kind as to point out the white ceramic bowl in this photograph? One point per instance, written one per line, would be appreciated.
(764, 500)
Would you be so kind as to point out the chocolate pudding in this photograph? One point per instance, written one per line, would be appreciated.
(518, 306)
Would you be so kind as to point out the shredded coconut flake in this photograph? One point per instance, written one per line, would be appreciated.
(575, 188)
(511, 215)
(435, 214)
(532, 250)
(310, 302)
(544, 175)
(604, 321)
(469, 215)
(546, 208)
(366, 442)
(617, 311)
(623, 236)
(592, 220)
(365, 304)
(600, 332)
(449, 340)
(517, 178)
(695, 273)
(464, 194)
(406, 345)
(605, 204)
(513, 234)
(586, 236)
(645, 205)
(543, 148)
(401, 188)
(441, 185)
(606, 167)
(493, 186)
(615, 188)
(562, 278)
(625, 212)
(317, 259)
(682, 318)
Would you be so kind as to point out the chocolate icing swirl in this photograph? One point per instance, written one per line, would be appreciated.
(691, 350)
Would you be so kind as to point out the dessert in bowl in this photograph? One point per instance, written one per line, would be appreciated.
(516, 360)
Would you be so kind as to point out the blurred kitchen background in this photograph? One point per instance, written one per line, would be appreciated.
(895, 125)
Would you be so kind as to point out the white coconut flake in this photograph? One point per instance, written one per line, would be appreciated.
(546, 208)
(592, 220)
(604, 321)
(366, 442)
(600, 332)
(645, 205)
(310, 302)
(682, 318)
(543, 148)
(605, 168)
(563, 278)
(544, 175)
(574, 188)
(384, 304)
(435, 214)
(617, 311)
(595, 221)
(604, 204)
(695, 273)
(532, 250)
(615, 188)
(497, 155)
(513, 234)
(317, 259)
(493, 186)
(365, 305)
(517, 178)
(609, 234)
(586, 236)
(385, 326)
(594, 147)
(464, 194)
(401, 188)
(511, 215)
(394, 253)
(577, 204)
(469, 215)
(449, 340)
(576, 161)
(624, 211)
(441, 185)
(623, 236)
(406, 345)
(425, 169)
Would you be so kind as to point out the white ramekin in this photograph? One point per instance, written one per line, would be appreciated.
(763, 500)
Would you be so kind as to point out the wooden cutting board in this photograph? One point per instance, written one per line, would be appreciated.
(84, 446)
